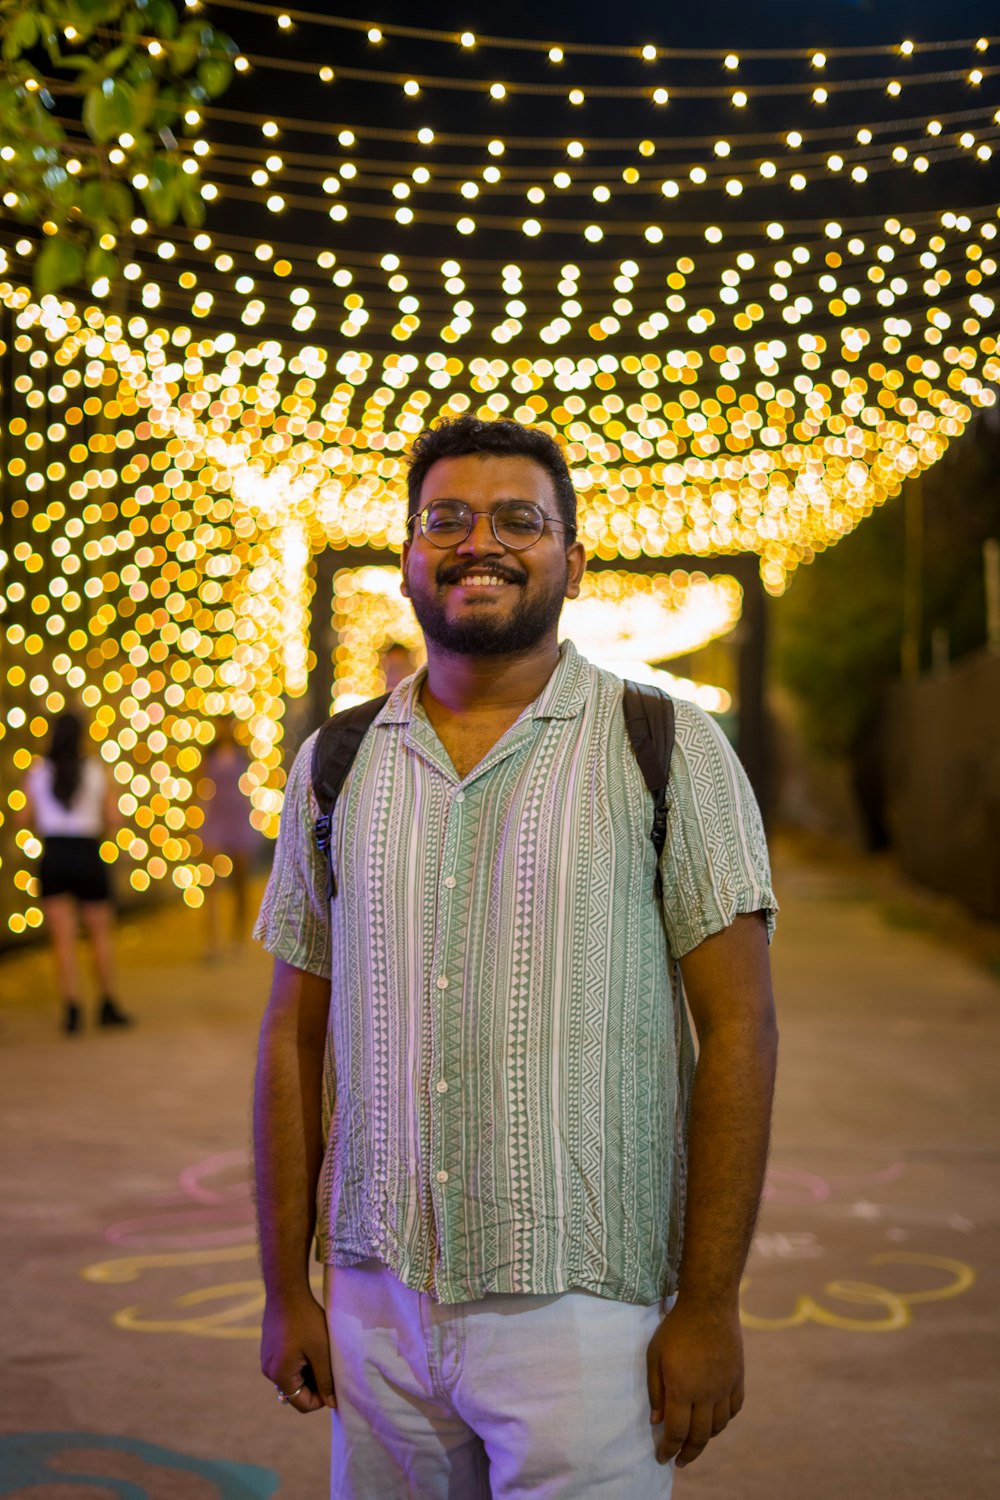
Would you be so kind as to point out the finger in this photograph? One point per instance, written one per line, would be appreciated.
(720, 1417)
(294, 1388)
(676, 1425)
(736, 1402)
(654, 1388)
(321, 1376)
(307, 1401)
(699, 1435)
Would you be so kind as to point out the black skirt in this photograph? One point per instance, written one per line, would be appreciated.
(73, 867)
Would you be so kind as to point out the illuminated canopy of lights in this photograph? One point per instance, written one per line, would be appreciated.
(721, 386)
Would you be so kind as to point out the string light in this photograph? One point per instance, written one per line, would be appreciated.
(608, 48)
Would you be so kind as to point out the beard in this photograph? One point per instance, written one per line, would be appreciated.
(486, 631)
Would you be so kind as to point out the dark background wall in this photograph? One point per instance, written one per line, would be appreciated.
(942, 760)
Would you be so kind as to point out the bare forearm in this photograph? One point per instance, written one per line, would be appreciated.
(695, 1360)
(288, 1143)
(727, 1157)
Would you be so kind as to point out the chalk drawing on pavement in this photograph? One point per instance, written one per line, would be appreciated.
(211, 1205)
(206, 1222)
(891, 1308)
(28, 1459)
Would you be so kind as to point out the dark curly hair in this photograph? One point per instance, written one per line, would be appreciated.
(499, 439)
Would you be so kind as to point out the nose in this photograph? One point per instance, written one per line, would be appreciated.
(480, 540)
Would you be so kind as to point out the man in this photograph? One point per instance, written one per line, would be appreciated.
(475, 1075)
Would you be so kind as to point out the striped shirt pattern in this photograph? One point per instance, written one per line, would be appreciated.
(508, 1058)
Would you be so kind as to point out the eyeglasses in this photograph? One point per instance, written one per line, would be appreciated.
(517, 524)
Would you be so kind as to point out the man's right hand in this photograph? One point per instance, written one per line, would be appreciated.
(295, 1352)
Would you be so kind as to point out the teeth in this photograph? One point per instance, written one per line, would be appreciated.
(480, 581)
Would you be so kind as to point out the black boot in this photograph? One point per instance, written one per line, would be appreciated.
(111, 1014)
(72, 1023)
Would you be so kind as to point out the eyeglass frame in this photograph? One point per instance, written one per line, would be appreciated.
(418, 516)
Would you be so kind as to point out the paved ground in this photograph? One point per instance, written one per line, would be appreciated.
(130, 1282)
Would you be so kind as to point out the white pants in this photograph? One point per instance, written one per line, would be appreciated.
(507, 1397)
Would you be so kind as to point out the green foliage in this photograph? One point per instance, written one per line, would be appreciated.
(837, 630)
(88, 63)
(961, 510)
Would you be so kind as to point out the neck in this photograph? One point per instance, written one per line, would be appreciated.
(468, 684)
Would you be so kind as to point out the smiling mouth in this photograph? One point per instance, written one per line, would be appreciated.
(482, 581)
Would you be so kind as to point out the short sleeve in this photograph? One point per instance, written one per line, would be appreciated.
(294, 920)
(715, 863)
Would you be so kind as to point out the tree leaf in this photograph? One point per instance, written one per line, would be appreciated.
(109, 110)
(160, 196)
(117, 58)
(214, 75)
(101, 262)
(165, 105)
(161, 18)
(81, 64)
(20, 33)
(192, 204)
(94, 12)
(59, 264)
(107, 201)
(49, 37)
(193, 38)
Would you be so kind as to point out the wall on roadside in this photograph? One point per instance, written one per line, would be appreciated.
(942, 761)
(809, 790)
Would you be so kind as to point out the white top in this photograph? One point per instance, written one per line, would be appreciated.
(84, 818)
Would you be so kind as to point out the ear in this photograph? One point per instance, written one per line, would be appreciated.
(404, 555)
(576, 566)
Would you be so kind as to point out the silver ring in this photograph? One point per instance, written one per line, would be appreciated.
(284, 1399)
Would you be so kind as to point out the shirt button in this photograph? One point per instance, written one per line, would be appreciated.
(441, 1176)
(459, 796)
(442, 981)
(442, 1085)
(450, 882)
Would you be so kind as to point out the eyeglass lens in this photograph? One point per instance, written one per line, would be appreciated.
(516, 524)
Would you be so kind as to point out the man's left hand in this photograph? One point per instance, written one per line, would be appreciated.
(694, 1372)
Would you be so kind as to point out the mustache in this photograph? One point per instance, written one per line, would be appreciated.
(457, 573)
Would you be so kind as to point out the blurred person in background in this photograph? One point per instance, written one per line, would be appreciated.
(226, 835)
(71, 806)
(396, 662)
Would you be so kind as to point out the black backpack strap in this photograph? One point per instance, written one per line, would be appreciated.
(333, 755)
(649, 720)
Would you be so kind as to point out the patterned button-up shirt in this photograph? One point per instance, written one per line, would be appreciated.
(508, 1059)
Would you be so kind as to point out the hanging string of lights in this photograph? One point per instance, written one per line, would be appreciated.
(287, 18)
(578, 94)
(176, 449)
(348, 132)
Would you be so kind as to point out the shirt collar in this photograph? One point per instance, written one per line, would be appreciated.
(562, 697)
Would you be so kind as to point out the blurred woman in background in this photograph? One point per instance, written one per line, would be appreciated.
(71, 806)
(226, 832)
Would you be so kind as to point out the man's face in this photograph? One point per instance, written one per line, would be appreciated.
(517, 605)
